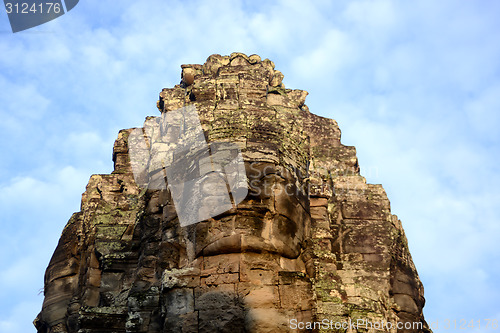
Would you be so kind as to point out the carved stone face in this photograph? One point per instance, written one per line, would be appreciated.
(241, 100)
(128, 262)
(273, 217)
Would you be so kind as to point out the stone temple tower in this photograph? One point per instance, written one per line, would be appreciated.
(308, 246)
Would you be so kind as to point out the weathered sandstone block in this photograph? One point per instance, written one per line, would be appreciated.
(311, 241)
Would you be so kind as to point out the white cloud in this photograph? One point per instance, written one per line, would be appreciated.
(33, 212)
(23, 106)
(482, 114)
(31, 204)
(378, 17)
(334, 52)
(18, 319)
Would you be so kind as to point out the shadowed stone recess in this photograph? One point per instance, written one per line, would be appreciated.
(311, 241)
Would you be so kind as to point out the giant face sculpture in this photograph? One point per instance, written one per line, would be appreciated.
(198, 249)
(273, 218)
(239, 109)
(246, 256)
(241, 202)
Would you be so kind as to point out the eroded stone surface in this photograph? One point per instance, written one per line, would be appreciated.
(310, 242)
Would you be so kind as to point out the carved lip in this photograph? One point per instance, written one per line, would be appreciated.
(240, 243)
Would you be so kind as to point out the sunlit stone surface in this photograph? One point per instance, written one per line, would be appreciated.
(311, 241)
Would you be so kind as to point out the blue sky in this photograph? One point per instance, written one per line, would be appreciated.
(414, 85)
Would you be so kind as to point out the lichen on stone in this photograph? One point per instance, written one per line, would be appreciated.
(329, 248)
